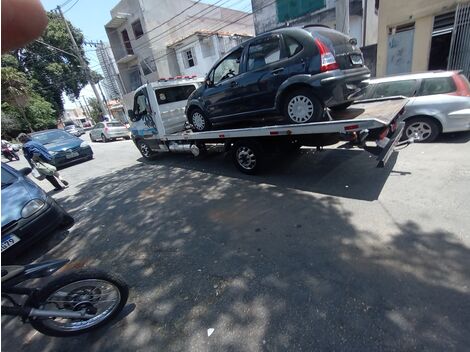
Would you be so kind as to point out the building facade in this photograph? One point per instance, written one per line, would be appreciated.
(363, 16)
(423, 35)
(142, 35)
(197, 53)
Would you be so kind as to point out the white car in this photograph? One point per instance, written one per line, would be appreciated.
(107, 131)
(439, 101)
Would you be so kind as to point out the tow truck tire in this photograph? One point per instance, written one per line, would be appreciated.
(248, 156)
(198, 120)
(145, 150)
(424, 127)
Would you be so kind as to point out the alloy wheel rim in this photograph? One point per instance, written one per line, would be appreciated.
(422, 130)
(198, 121)
(144, 149)
(246, 158)
(300, 109)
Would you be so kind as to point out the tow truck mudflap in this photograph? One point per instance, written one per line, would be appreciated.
(387, 151)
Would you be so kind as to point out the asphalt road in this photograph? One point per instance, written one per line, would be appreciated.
(324, 252)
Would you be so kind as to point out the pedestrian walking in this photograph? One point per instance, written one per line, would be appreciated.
(40, 159)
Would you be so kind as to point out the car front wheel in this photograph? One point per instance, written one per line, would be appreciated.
(301, 106)
(199, 121)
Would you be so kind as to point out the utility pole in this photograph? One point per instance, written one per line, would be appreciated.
(83, 64)
(342, 16)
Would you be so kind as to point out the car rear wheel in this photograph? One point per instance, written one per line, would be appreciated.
(104, 139)
(422, 128)
(301, 106)
(199, 121)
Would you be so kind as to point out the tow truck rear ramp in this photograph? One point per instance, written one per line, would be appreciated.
(376, 120)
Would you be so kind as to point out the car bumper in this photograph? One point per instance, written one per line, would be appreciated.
(50, 218)
(457, 121)
(110, 135)
(343, 85)
(83, 154)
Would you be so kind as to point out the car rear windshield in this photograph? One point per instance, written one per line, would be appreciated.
(174, 94)
(114, 124)
(51, 137)
(336, 41)
(437, 85)
(405, 88)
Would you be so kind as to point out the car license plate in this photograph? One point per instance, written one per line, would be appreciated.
(356, 59)
(71, 155)
(8, 241)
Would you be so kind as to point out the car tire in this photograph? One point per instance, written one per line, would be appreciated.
(341, 107)
(104, 139)
(248, 156)
(145, 150)
(424, 127)
(91, 138)
(199, 121)
(302, 106)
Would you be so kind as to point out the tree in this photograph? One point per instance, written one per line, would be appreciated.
(52, 71)
(95, 110)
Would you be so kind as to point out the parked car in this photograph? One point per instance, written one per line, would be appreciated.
(28, 213)
(75, 130)
(439, 101)
(293, 71)
(106, 131)
(64, 147)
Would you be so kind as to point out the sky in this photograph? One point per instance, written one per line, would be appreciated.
(91, 16)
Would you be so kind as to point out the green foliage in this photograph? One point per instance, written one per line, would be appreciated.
(34, 78)
(95, 110)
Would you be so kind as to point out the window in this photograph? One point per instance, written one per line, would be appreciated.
(438, 85)
(174, 94)
(406, 88)
(127, 42)
(264, 53)
(140, 106)
(189, 58)
(137, 28)
(290, 9)
(228, 67)
(293, 46)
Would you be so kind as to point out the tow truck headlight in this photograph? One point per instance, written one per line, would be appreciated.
(33, 206)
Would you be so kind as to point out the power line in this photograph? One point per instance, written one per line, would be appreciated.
(71, 7)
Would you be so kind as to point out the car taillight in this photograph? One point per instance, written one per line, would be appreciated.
(328, 61)
(106, 129)
(462, 85)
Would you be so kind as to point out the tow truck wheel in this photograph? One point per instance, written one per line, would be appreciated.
(199, 121)
(145, 150)
(248, 156)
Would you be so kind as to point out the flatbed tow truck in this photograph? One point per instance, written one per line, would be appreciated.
(375, 120)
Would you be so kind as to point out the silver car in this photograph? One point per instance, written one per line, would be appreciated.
(75, 130)
(439, 101)
(106, 131)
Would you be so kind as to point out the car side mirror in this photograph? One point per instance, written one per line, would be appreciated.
(209, 83)
(25, 171)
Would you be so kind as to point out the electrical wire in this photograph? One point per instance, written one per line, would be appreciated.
(71, 7)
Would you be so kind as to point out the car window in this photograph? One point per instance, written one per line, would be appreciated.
(98, 126)
(140, 105)
(264, 52)
(437, 85)
(293, 46)
(114, 124)
(174, 94)
(388, 89)
(51, 136)
(227, 68)
(7, 178)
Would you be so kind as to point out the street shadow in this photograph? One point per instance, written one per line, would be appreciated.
(453, 137)
(350, 173)
(267, 267)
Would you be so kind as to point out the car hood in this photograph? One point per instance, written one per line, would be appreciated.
(14, 198)
(64, 145)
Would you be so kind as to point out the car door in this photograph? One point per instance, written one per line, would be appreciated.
(96, 132)
(266, 64)
(221, 97)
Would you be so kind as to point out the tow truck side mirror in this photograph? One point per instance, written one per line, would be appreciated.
(131, 115)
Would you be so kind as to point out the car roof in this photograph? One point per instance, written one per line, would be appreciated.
(421, 75)
(44, 131)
